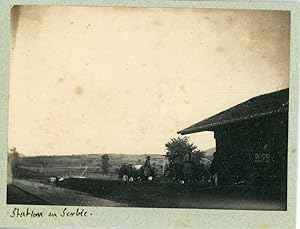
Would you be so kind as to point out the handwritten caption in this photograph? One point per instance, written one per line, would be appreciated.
(65, 213)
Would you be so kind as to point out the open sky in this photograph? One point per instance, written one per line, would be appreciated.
(125, 80)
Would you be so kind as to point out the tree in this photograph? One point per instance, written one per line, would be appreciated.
(13, 159)
(176, 149)
(105, 163)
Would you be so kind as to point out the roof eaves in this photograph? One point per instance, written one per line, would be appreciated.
(211, 126)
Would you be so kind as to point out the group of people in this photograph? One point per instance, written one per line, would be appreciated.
(144, 172)
(188, 171)
(184, 173)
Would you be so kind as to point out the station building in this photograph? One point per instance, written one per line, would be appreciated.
(251, 141)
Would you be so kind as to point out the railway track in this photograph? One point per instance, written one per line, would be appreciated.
(17, 195)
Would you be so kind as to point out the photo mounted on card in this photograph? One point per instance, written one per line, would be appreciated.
(163, 114)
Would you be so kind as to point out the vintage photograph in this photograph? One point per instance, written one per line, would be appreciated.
(148, 107)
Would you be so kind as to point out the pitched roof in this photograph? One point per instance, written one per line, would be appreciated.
(259, 106)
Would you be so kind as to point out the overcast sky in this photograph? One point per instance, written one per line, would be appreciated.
(104, 80)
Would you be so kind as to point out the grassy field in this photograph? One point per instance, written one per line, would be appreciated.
(75, 165)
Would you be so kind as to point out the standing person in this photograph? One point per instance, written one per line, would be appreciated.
(215, 178)
(147, 168)
(187, 167)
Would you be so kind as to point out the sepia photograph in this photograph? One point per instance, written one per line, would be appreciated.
(148, 107)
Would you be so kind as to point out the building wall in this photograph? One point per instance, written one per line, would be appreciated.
(252, 151)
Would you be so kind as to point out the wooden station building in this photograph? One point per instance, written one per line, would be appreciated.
(251, 141)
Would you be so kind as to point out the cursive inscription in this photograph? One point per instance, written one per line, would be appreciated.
(78, 212)
(26, 214)
(65, 212)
